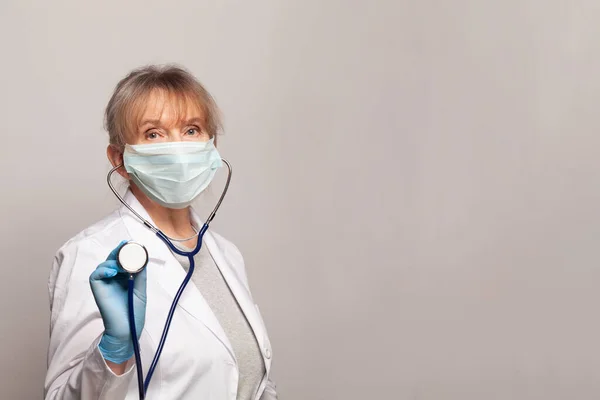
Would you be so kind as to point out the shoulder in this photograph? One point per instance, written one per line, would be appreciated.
(77, 258)
(87, 249)
(100, 235)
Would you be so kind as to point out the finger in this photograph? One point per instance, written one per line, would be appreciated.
(113, 254)
(106, 270)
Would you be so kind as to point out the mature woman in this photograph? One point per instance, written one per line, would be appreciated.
(162, 126)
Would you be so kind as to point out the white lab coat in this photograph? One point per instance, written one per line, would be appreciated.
(197, 361)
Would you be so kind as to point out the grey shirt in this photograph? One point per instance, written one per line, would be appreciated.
(216, 292)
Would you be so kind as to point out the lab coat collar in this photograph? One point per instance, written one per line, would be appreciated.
(239, 288)
(242, 294)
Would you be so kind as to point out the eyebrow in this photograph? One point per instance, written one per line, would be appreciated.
(196, 120)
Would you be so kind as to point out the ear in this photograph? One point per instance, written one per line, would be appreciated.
(115, 156)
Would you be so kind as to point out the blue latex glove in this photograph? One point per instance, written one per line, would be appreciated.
(109, 286)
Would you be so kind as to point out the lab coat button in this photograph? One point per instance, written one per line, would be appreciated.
(268, 353)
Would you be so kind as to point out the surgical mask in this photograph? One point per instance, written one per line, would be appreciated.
(172, 174)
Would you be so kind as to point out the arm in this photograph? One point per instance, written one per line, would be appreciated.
(76, 367)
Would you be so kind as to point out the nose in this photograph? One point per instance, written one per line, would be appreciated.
(175, 135)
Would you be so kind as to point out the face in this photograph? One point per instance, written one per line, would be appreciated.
(164, 119)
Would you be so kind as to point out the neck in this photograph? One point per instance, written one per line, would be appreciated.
(175, 223)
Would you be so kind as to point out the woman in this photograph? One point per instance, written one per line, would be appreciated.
(160, 121)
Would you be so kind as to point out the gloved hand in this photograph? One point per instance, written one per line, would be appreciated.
(109, 286)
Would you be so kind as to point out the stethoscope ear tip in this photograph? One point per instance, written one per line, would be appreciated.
(132, 257)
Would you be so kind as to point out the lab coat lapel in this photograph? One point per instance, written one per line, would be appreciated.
(237, 287)
(169, 274)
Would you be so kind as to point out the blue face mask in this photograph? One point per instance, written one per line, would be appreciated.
(172, 174)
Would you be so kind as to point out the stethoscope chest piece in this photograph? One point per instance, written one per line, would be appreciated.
(132, 257)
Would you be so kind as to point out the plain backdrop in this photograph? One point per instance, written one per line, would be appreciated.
(416, 183)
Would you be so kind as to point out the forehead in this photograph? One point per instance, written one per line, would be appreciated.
(167, 107)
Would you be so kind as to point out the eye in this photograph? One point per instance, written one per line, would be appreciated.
(192, 131)
(151, 135)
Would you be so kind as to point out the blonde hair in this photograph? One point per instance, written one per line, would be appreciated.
(127, 104)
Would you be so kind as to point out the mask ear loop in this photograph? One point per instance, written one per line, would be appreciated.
(152, 227)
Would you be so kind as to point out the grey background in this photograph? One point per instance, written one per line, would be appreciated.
(415, 190)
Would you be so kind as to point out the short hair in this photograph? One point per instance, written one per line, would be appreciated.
(127, 103)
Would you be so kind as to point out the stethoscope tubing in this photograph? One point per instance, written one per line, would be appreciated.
(136, 344)
(190, 255)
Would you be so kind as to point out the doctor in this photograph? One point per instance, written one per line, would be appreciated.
(217, 347)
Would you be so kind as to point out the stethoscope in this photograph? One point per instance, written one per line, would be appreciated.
(133, 258)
